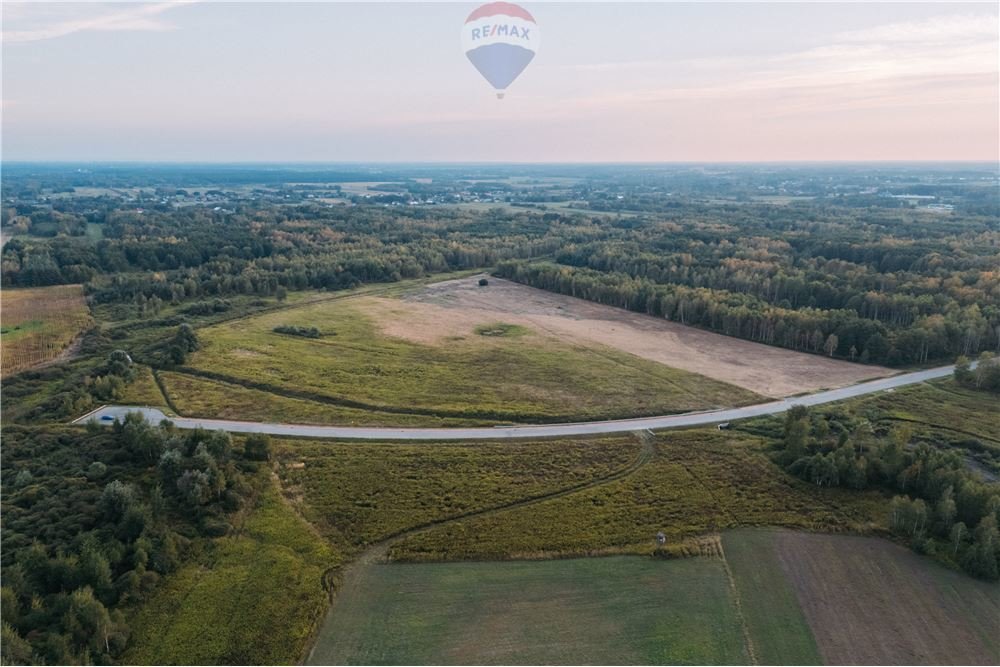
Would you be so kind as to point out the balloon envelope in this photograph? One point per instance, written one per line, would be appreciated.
(500, 39)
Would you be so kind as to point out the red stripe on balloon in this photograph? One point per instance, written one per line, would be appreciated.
(495, 8)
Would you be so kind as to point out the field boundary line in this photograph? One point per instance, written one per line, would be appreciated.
(327, 400)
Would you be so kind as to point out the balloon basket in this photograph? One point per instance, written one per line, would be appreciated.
(499, 96)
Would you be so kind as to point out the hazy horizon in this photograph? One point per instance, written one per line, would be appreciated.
(541, 163)
(646, 83)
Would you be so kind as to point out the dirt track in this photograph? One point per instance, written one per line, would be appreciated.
(871, 602)
(435, 313)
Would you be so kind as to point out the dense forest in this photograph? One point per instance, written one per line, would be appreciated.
(876, 285)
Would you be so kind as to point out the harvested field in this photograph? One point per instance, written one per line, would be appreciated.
(871, 602)
(453, 308)
(39, 325)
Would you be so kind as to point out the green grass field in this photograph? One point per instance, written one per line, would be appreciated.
(527, 377)
(619, 610)
(769, 597)
(780, 631)
(257, 596)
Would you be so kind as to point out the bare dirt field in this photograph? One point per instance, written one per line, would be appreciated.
(871, 602)
(452, 309)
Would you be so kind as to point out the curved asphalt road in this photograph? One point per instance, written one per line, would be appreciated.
(540, 431)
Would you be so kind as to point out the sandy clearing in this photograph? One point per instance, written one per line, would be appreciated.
(446, 310)
(871, 602)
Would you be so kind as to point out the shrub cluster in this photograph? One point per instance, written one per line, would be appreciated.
(304, 332)
(944, 509)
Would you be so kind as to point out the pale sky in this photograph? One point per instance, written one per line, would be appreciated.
(214, 81)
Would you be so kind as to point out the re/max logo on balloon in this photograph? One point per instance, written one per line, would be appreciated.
(501, 30)
(500, 39)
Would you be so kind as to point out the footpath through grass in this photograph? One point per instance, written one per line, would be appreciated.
(700, 481)
(358, 494)
(780, 632)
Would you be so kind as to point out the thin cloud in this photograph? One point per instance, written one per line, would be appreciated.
(44, 24)
(863, 67)
(934, 30)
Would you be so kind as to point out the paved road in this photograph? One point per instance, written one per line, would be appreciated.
(540, 431)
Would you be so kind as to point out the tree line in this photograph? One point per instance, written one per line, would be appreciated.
(842, 333)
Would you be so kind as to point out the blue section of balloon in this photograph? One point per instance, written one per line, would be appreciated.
(500, 64)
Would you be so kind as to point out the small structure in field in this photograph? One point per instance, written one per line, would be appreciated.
(483, 282)
(723, 426)
(661, 539)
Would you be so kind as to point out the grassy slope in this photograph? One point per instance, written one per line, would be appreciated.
(620, 610)
(527, 377)
(700, 481)
(253, 598)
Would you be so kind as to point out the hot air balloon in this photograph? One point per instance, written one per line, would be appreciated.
(500, 39)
